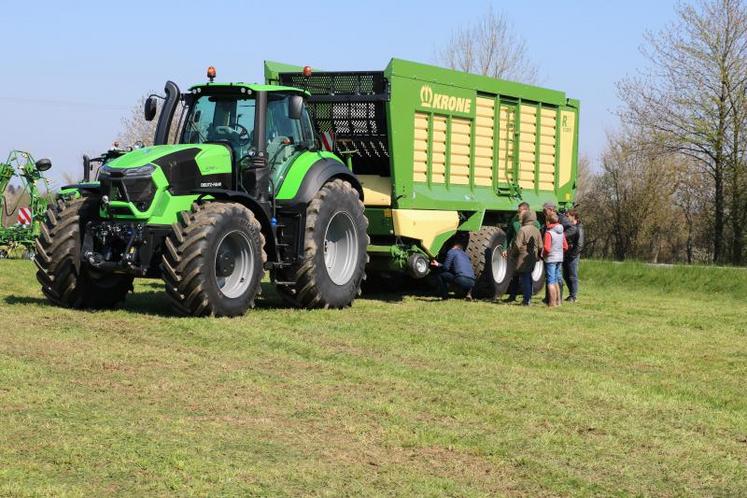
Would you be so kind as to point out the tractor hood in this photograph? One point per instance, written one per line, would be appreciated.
(142, 183)
(185, 167)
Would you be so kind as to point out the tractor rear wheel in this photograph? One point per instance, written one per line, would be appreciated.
(493, 272)
(335, 244)
(64, 280)
(213, 260)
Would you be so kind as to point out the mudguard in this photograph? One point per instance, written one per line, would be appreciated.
(255, 207)
(320, 173)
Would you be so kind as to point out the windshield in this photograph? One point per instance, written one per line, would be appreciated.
(228, 118)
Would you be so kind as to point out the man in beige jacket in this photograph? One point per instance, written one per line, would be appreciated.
(526, 250)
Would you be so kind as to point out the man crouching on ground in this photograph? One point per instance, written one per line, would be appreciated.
(526, 250)
(456, 270)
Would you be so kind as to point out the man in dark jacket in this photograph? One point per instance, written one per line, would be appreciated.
(575, 237)
(456, 270)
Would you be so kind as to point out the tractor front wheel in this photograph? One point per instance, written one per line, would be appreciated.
(335, 244)
(213, 260)
(64, 280)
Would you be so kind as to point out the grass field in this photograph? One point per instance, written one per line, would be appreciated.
(639, 389)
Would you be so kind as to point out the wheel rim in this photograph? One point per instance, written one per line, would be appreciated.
(537, 271)
(340, 248)
(499, 266)
(421, 266)
(234, 264)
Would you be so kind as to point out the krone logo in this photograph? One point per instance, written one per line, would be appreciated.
(426, 95)
(443, 102)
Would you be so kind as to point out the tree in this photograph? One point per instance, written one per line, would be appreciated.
(489, 47)
(686, 100)
(134, 126)
(736, 171)
(691, 201)
(627, 204)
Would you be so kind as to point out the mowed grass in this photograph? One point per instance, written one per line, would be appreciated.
(639, 389)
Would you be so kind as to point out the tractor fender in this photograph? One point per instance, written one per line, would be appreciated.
(323, 171)
(255, 207)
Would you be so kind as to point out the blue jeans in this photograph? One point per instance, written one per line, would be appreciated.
(445, 278)
(525, 278)
(570, 275)
(552, 272)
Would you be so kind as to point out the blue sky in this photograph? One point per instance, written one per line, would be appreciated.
(71, 72)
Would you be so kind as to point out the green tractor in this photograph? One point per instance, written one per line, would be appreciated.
(245, 189)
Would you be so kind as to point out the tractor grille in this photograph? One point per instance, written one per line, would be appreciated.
(351, 105)
(139, 190)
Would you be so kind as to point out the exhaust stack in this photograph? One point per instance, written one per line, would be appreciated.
(167, 113)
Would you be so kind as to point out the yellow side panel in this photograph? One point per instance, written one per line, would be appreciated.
(484, 147)
(527, 144)
(547, 149)
(506, 132)
(461, 137)
(423, 225)
(438, 158)
(420, 149)
(377, 190)
(548, 114)
(567, 130)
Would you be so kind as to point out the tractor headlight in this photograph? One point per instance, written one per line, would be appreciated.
(140, 171)
(146, 170)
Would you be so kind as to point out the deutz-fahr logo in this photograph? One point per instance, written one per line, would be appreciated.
(428, 98)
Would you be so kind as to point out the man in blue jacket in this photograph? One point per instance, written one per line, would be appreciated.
(456, 270)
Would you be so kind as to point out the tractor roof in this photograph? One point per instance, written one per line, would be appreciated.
(254, 87)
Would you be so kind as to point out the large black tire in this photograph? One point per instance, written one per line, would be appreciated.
(538, 277)
(320, 280)
(213, 260)
(493, 272)
(64, 279)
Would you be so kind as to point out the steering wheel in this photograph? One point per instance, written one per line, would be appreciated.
(238, 131)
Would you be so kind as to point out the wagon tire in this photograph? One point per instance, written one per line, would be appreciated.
(538, 277)
(493, 272)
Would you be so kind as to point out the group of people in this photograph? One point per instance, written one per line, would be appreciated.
(559, 243)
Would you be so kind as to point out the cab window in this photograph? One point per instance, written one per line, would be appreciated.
(285, 136)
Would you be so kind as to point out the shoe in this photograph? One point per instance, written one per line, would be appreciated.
(570, 299)
(526, 303)
(468, 297)
(510, 299)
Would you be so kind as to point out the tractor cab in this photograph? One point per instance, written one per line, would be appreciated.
(263, 128)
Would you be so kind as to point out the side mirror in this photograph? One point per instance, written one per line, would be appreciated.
(149, 110)
(295, 106)
(43, 164)
(86, 168)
